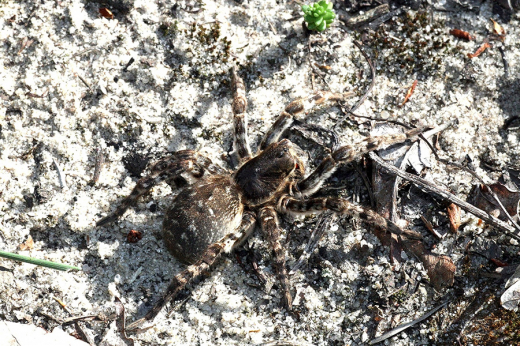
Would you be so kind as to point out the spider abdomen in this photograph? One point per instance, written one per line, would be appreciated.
(201, 215)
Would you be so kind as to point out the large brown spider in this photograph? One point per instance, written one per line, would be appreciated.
(219, 211)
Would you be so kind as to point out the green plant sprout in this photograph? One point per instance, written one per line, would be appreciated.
(319, 15)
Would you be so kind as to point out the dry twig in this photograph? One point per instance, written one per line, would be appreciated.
(448, 197)
(402, 327)
(372, 73)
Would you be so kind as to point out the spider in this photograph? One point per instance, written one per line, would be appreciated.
(220, 209)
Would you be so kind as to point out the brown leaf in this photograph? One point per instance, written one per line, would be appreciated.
(454, 217)
(440, 268)
(480, 50)
(106, 13)
(28, 244)
(481, 198)
(461, 34)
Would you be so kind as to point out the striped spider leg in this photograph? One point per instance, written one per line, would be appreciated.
(170, 168)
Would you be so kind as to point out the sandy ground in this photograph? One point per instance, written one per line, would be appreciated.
(67, 92)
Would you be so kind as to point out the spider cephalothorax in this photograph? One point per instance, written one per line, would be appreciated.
(219, 210)
(270, 173)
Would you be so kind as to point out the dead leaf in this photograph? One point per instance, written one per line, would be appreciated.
(510, 299)
(480, 50)
(385, 186)
(461, 34)
(454, 217)
(28, 244)
(481, 198)
(106, 13)
(419, 156)
(440, 268)
(498, 29)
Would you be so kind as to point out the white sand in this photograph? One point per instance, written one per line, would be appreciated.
(176, 96)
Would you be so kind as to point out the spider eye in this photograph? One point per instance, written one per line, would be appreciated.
(283, 152)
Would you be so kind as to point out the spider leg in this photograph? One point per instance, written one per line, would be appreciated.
(212, 253)
(294, 109)
(349, 153)
(338, 205)
(240, 117)
(167, 169)
(190, 155)
(270, 227)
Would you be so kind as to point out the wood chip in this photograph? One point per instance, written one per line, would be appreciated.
(461, 34)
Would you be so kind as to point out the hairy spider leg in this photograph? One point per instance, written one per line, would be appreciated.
(184, 161)
(337, 205)
(269, 222)
(239, 106)
(349, 153)
(212, 253)
(192, 155)
(295, 108)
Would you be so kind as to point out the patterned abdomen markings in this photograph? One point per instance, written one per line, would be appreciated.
(201, 215)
